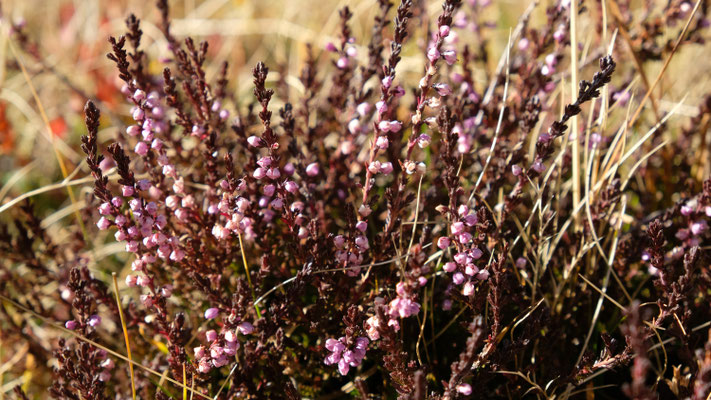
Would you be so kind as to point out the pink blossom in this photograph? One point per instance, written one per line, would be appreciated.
(386, 168)
(103, 223)
(382, 142)
(94, 321)
(464, 389)
(245, 328)
(312, 169)
(71, 325)
(442, 89)
(450, 267)
(433, 54)
(458, 278)
(443, 242)
(211, 313)
(450, 56)
(424, 140)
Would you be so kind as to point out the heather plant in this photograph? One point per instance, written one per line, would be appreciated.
(529, 220)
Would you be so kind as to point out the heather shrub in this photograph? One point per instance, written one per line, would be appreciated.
(427, 203)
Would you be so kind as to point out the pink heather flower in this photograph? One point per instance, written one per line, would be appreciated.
(157, 144)
(461, 258)
(559, 34)
(465, 389)
(371, 327)
(141, 148)
(166, 290)
(483, 275)
(339, 241)
(470, 219)
(523, 44)
(364, 210)
(521, 263)
(142, 281)
(546, 70)
(133, 130)
(403, 307)
(211, 313)
(137, 114)
(444, 31)
(433, 54)
(177, 255)
(224, 114)
(462, 210)
(103, 223)
(382, 141)
(105, 209)
(144, 184)
(708, 211)
(476, 253)
(245, 328)
(312, 169)
(131, 280)
(127, 191)
(699, 227)
(354, 126)
(443, 242)
(204, 366)
(117, 201)
(374, 167)
(384, 126)
(273, 173)
(386, 168)
(255, 141)
(465, 238)
(264, 162)
(139, 95)
(137, 265)
(330, 47)
(363, 108)
(450, 267)
(291, 187)
(387, 82)
(268, 190)
(362, 242)
(442, 89)
(259, 173)
(351, 51)
(211, 335)
(539, 167)
(447, 305)
(516, 170)
(687, 209)
(94, 321)
(471, 269)
(381, 106)
(362, 226)
(71, 325)
(551, 60)
(422, 281)
(395, 126)
(468, 289)
(120, 236)
(458, 278)
(457, 227)
(424, 140)
(342, 63)
(171, 201)
(450, 57)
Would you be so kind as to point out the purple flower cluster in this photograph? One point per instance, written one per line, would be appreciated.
(343, 356)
